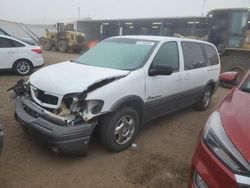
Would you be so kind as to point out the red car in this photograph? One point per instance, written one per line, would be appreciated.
(222, 157)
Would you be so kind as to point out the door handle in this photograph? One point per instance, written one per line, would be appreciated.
(187, 76)
(179, 78)
(11, 52)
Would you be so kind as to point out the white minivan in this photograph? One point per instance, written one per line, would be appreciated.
(116, 87)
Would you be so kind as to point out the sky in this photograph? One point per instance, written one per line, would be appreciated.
(52, 11)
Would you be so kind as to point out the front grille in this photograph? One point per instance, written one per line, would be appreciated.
(35, 114)
(46, 98)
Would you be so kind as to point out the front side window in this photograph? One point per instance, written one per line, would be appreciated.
(118, 53)
(193, 55)
(239, 22)
(167, 55)
(212, 56)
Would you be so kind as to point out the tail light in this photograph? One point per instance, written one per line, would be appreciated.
(37, 50)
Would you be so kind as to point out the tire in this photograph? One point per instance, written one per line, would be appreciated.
(62, 46)
(22, 67)
(125, 135)
(203, 104)
(47, 45)
(236, 61)
(78, 50)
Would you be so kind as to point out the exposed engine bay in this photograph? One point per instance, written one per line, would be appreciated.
(71, 109)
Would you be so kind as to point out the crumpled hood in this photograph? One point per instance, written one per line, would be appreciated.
(235, 111)
(69, 77)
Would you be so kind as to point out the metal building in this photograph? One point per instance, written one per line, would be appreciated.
(185, 26)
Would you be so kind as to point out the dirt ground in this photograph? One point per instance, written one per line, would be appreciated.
(162, 157)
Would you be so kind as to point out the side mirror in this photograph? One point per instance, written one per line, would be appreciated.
(160, 70)
(229, 78)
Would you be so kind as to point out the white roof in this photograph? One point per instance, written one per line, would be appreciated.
(159, 38)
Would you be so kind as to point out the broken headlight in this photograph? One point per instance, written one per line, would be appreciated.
(94, 106)
(74, 102)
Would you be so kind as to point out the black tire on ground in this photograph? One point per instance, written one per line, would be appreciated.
(78, 50)
(62, 46)
(203, 104)
(236, 61)
(113, 131)
(22, 67)
(47, 45)
(226, 85)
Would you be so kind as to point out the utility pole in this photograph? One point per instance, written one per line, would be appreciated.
(79, 13)
(203, 7)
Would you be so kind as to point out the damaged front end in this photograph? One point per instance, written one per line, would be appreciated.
(65, 124)
(71, 109)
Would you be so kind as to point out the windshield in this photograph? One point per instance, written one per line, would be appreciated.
(118, 53)
(246, 85)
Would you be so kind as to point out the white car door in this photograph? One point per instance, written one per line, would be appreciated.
(196, 74)
(162, 91)
(6, 53)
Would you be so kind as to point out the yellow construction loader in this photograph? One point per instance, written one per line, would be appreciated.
(64, 39)
(229, 31)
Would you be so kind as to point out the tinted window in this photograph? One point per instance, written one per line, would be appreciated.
(193, 55)
(7, 43)
(167, 55)
(16, 44)
(212, 56)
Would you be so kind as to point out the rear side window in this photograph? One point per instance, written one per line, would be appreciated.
(8, 43)
(5, 43)
(212, 56)
(17, 44)
(167, 55)
(193, 55)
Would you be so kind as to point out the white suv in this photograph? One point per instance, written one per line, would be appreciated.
(116, 87)
(19, 56)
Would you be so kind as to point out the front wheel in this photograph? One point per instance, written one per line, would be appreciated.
(63, 46)
(47, 45)
(203, 104)
(118, 130)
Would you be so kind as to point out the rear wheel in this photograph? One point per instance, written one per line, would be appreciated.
(22, 67)
(63, 46)
(203, 104)
(78, 50)
(118, 130)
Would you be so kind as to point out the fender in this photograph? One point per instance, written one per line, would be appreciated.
(126, 99)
